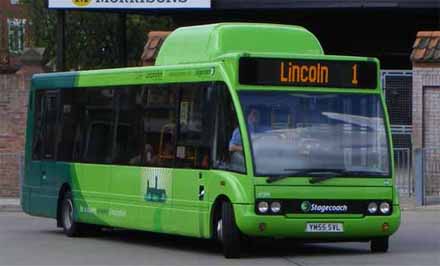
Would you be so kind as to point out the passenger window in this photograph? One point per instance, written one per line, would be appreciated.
(158, 123)
(229, 150)
(99, 120)
(50, 125)
(70, 121)
(193, 143)
(129, 134)
(37, 142)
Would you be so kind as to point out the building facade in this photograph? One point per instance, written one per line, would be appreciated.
(426, 106)
(14, 32)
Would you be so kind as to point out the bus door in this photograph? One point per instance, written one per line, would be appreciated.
(192, 158)
(50, 140)
(43, 166)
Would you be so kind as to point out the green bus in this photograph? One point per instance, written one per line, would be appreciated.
(238, 131)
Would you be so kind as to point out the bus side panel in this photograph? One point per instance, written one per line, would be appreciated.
(238, 188)
(90, 183)
(190, 205)
(141, 198)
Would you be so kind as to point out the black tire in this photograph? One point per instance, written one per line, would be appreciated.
(379, 245)
(230, 234)
(70, 227)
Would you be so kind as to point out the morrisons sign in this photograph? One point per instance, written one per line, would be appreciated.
(128, 4)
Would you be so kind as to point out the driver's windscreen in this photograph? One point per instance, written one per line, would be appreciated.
(299, 131)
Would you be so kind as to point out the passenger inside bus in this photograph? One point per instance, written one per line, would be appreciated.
(147, 156)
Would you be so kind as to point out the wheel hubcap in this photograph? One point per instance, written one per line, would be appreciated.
(220, 230)
(68, 214)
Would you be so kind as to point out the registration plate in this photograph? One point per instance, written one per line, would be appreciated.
(325, 227)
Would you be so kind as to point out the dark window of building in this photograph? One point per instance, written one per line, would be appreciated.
(228, 139)
(194, 131)
(1, 40)
(16, 32)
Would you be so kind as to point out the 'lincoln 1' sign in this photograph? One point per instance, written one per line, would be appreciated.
(129, 4)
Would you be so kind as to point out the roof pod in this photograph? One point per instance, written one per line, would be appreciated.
(206, 43)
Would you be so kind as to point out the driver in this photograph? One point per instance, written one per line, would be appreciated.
(235, 142)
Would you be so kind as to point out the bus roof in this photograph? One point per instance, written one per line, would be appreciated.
(206, 43)
(197, 53)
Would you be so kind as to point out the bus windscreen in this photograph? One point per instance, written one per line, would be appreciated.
(308, 73)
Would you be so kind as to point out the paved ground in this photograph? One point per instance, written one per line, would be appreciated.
(26, 240)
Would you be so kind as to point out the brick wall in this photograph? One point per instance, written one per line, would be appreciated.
(13, 107)
(13, 95)
(426, 109)
(10, 165)
(13, 103)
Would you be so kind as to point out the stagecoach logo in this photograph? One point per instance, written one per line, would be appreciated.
(306, 206)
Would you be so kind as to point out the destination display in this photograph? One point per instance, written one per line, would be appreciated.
(308, 73)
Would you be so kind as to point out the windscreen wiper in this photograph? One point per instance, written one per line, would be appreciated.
(300, 173)
(319, 175)
(347, 173)
(317, 179)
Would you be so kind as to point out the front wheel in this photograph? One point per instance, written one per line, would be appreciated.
(228, 232)
(379, 245)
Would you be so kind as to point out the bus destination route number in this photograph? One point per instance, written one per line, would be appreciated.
(308, 73)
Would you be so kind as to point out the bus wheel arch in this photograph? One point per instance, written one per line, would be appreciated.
(216, 213)
(64, 188)
(224, 227)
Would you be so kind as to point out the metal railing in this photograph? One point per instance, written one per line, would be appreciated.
(427, 175)
(403, 171)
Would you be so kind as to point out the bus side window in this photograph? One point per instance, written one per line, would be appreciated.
(37, 142)
(128, 134)
(70, 122)
(50, 124)
(193, 141)
(159, 125)
(227, 133)
(99, 124)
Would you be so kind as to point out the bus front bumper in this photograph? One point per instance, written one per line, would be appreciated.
(294, 226)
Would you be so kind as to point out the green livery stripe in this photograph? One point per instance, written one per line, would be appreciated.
(55, 80)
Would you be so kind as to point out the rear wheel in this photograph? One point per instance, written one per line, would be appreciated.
(228, 232)
(379, 245)
(70, 227)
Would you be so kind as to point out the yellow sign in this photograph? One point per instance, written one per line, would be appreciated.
(81, 3)
(315, 73)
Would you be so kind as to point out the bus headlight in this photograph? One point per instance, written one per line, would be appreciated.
(275, 207)
(263, 207)
(372, 207)
(384, 207)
